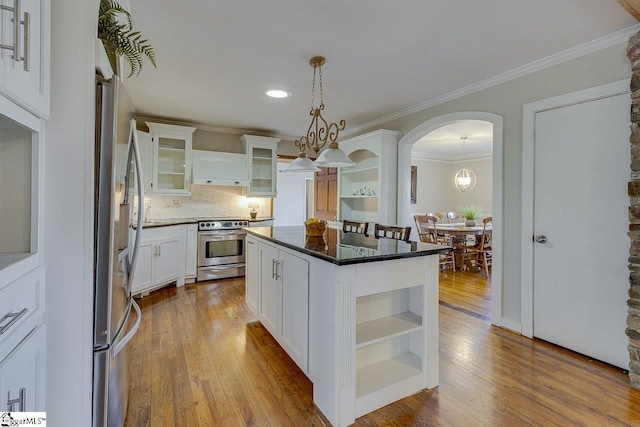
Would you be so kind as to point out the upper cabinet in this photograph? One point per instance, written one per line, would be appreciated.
(171, 158)
(261, 157)
(24, 57)
(367, 190)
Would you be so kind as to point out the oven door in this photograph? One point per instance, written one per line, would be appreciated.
(220, 247)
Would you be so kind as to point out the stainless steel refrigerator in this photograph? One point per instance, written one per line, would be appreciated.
(118, 180)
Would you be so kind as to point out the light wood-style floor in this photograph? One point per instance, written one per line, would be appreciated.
(201, 359)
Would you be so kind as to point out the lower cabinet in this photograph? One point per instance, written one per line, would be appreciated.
(22, 375)
(160, 259)
(283, 300)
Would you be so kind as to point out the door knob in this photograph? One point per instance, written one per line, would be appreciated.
(541, 238)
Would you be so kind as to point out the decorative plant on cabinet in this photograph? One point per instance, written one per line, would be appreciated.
(115, 29)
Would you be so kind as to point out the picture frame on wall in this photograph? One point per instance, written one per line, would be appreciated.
(414, 184)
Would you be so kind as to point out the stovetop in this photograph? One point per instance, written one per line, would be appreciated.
(221, 224)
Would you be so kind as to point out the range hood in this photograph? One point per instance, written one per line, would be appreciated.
(219, 168)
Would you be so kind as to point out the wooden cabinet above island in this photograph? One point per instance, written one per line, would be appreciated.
(361, 316)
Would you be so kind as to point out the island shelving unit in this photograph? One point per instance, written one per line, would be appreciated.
(359, 316)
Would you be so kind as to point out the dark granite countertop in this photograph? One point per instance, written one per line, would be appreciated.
(342, 248)
(177, 221)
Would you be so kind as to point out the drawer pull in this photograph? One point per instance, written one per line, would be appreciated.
(12, 318)
(18, 404)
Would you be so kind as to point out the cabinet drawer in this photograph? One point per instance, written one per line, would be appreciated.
(22, 375)
(21, 308)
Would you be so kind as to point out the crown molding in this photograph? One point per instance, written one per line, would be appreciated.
(621, 36)
(484, 155)
(213, 128)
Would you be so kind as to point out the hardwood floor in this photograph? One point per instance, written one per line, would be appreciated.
(201, 359)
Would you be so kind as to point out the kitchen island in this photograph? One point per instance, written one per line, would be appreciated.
(358, 315)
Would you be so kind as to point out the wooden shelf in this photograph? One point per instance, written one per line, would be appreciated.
(377, 330)
(376, 377)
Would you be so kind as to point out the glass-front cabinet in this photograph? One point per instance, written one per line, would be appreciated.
(261, 158)
(171, 158)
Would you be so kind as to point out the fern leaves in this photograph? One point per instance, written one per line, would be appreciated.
(115, 29)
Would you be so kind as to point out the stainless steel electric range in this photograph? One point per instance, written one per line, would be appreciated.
(221, 248)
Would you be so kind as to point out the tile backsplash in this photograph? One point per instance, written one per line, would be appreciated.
(205, 201)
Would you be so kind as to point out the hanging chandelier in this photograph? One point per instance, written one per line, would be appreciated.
(464, 179)
(319, 133)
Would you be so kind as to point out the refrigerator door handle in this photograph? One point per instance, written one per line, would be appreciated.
(135, 150)
(117, 347)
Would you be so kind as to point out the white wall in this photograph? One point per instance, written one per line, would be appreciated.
(68, 213)
(289, 206)
(435, 190)
(507, 99)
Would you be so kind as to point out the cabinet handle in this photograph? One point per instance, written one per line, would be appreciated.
(27, 30)
(277, 275)
(18, 404)
(13, 318)
(249, 242)
(16, 34)
(159, 251)
(273, 268)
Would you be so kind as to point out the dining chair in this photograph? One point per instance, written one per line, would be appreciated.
(392, 232)
(425, 232)
(482, 251)
(426, 226)
(438, 215)
(355, 227)
(454, 217)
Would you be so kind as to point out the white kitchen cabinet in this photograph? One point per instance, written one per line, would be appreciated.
(160, 259)
(171, 158)
(220, 168)
(261, 157)
(22, 375)
(284, 300)
(24, 78)
(191, 252)
(252, 278)
(367, 190)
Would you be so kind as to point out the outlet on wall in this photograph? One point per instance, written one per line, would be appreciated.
(175, 202)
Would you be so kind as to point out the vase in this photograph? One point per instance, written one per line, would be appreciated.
(470, 222)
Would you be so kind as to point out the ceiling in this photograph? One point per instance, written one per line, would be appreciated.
(384, 59)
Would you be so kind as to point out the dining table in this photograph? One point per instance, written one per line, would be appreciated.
(459, 232)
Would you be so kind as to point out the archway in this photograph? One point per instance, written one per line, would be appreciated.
(404, 181)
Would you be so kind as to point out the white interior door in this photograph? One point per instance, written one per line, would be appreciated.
(580, 275)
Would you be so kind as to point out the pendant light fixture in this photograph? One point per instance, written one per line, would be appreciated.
(464, 179)
(319, 133)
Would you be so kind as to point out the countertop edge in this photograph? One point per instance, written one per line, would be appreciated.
(180, 221)
(349, 261)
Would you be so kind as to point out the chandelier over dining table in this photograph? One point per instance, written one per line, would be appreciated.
(319, 133)
(464, 179)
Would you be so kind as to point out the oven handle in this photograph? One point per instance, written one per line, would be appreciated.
(222, 232)
(223, 266)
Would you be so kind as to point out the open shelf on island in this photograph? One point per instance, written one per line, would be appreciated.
(374, 331)
(377, 376)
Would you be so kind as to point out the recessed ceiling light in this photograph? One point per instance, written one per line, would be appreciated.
(277, 93)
